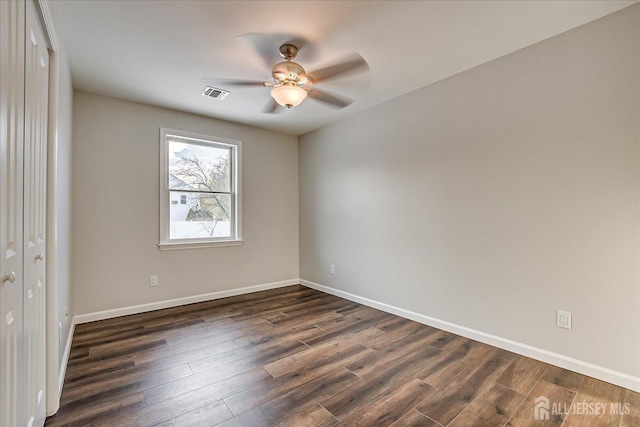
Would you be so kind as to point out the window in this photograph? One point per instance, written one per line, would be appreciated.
(199, 191)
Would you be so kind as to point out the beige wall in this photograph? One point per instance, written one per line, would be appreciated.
(116, 209)
(495, 197)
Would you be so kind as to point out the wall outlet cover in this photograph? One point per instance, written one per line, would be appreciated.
(563, 319)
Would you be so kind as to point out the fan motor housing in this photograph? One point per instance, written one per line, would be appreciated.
(289, 71)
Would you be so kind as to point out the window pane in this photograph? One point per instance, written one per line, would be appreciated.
(204, 215)
(199, 167)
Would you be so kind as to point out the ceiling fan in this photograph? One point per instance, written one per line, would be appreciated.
(291, 84)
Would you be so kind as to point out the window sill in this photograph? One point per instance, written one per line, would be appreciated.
(196, 245)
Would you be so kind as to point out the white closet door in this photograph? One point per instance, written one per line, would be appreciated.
(35, 202)
(12, 26)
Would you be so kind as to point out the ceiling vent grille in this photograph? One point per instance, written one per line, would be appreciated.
(212, 92)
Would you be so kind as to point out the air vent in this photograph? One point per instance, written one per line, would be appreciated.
(212, 92)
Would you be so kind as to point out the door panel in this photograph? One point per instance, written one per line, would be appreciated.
(35, 155)
(12, 30)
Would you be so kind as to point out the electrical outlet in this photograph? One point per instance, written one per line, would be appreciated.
(332, 269)
(153, 280)
(563, 319)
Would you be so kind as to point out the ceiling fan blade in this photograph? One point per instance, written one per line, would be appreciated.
(328, 99)
(233, 82)
(272, 107)
(263, 45)
(352, 64)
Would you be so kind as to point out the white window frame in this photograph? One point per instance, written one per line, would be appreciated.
(166, 243)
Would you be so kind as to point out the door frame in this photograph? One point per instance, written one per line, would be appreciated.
(55, 365)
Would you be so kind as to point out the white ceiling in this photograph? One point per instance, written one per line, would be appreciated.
(158, 52)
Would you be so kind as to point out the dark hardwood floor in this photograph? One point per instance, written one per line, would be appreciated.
(298, 357)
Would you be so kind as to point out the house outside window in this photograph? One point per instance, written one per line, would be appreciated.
(199, 190)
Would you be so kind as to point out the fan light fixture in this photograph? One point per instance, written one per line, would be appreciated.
(291, 85)
(288, 95)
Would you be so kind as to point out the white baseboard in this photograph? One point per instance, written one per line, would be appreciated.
(586, 368)
(142, 308)
(53, 403)
(65, 358)
(599, 372)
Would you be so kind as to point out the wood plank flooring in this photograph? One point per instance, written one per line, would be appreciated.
(298, 357)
